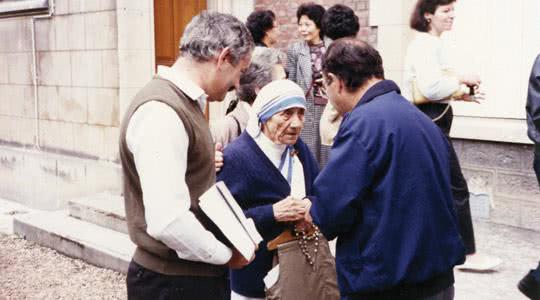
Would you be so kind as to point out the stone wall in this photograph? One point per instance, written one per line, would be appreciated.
(504, 172)
(91, 57)
(77, 69)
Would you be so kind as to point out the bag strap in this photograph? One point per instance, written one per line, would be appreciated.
(442, 114)
(237, 124)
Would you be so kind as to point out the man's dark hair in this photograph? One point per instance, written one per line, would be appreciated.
(314, 12)
(418, 21)
(340, 21)
(353, 61)
(259, 22)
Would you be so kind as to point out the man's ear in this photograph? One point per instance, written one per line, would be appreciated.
(224, 57)
(341, 85)
(329, 78)
(332, 78)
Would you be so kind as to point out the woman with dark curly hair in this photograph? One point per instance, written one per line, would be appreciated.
(304, 65)
(263, 27)
(339, 21)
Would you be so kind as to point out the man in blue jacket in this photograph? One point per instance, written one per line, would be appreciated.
(530, 284)
(385, 192)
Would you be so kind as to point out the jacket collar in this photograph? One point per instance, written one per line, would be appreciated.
(378, 89)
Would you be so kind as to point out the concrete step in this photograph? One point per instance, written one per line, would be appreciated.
(8, 211)
(94, 244)
(104, 209)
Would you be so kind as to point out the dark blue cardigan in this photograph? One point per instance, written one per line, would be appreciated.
(256, 184)
(385, 193)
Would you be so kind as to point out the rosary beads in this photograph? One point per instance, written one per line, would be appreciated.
(304, 238)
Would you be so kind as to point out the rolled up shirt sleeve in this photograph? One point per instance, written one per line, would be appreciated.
(159, 142)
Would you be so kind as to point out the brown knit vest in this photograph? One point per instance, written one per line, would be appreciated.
(200, 175)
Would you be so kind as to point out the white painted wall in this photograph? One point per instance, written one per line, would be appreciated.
(238, 8)
(498, 39)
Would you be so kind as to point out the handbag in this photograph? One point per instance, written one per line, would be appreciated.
(418, 98)
(307, 269)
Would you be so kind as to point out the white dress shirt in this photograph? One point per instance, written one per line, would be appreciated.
(274, 152)
(159, 142)
(426, 58)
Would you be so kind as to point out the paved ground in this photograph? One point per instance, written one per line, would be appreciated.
(520, 251)
(28, 271)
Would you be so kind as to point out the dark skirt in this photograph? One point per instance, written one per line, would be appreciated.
(460, 189)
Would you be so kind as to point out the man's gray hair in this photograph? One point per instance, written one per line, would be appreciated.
(259, 72)
(210, 32)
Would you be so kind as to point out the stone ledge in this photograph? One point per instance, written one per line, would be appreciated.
(104, 209)
(94, 244)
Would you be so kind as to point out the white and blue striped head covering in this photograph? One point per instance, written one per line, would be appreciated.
(273, 98)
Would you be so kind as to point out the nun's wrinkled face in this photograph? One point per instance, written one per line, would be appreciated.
(285, 126)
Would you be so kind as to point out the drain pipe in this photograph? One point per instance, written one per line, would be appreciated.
(35, 75)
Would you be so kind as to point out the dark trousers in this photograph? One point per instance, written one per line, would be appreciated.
(145, 284)
(536, 165)
(536, 273)
(446, 294)
(460, 189)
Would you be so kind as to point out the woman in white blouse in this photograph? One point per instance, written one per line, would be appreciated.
(432, 84)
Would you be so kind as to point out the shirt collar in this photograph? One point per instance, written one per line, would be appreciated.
(380, 88)
(272, 150)
(186, 85)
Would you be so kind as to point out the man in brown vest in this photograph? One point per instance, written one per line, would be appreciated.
(168, 162)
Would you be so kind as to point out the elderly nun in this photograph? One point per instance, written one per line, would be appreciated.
(269, 171)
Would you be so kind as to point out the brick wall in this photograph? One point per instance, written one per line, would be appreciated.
(77, 64)
(285, 11)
